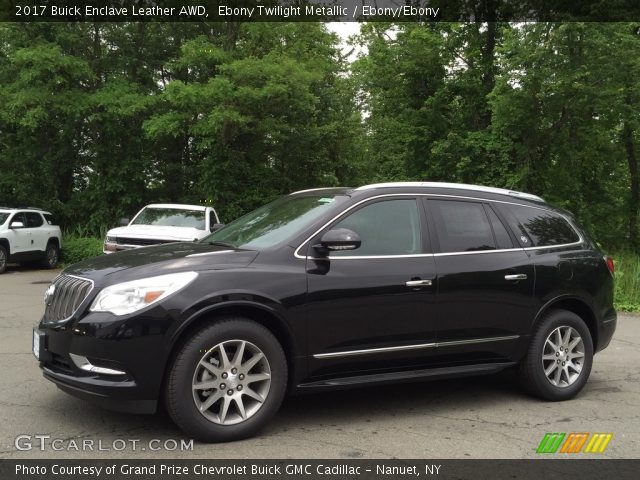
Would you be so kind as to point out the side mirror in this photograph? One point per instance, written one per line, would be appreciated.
(216, 226)
(16, 225)
(339, 239)
(124, 222)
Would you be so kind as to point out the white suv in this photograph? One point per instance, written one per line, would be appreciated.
(162, 223)
(28, 235)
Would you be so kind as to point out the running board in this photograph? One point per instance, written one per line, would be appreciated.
(427, 373)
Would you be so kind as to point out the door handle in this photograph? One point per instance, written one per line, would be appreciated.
(517, 276)
(419, 283)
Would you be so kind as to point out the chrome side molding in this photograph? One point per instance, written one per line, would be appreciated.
(420, 346)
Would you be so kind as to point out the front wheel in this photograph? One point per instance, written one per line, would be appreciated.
(226, 381)
(559, 358)
(4, 258)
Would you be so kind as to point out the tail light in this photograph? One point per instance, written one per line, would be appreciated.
(609, 261)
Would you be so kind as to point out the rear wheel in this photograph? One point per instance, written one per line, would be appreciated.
(51, 256)
(559, 359)
(226, 381)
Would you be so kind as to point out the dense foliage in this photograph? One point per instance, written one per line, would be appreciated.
(546, 108)
(98, 119)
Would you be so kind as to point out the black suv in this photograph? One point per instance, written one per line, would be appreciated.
(331, 288)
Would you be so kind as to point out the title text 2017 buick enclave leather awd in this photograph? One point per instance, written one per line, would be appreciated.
(333, 288)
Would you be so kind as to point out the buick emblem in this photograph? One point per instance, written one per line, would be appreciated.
(48, 295)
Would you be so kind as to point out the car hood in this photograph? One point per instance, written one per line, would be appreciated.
(161, 259)
(155, 232)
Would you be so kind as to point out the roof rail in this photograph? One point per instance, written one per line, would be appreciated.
(458, 186)
(317, 189)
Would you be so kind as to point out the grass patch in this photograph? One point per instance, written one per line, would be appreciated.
(627, 297)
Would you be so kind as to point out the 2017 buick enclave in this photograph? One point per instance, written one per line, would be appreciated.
(333, 288)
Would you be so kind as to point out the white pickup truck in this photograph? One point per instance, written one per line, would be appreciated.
(28, 235)
(162, 223)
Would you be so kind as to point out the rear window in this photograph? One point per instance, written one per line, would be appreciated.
(542, 227)
(461, 226)
(503, 240)
(34, 220)
(3, 217)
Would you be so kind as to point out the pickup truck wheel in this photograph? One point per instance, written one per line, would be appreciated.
(4, 257)
(51, 256)
(226, 381)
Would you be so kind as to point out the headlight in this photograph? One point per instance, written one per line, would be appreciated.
(128, 297)
(110, 239)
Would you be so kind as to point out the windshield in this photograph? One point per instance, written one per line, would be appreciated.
(171, 217)
(3, 217)
(274, 222)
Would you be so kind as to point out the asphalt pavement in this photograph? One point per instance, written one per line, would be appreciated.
(484, 417)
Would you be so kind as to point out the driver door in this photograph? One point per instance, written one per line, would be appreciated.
(362, 314)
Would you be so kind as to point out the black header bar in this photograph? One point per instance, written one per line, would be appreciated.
(550, 469)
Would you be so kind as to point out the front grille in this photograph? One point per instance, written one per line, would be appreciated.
(143, 242)
(68, 293)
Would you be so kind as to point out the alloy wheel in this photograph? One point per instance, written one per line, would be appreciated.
(52, 256)
(231, 382)
(563, 356)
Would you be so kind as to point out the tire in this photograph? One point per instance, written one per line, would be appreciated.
(199, 361)
(538, 374)
(4, 258)
(51, 256)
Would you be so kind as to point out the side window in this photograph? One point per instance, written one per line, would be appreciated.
(543, 227)
(49, 218)
(461, 226)
(20, 217)
(34, 219)
(212, 219)
(390, 227)
(503, 240)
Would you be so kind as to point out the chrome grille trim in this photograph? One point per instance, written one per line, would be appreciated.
(70, 292)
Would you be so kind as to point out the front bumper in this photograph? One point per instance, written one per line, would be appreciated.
(102, 393)
(115, 362)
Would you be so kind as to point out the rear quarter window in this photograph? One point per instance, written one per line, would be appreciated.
(49, 218)
(542, 227)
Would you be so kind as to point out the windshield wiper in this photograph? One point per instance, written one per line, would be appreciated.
(222, 244)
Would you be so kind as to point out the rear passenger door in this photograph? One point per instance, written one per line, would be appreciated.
(485, 282)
